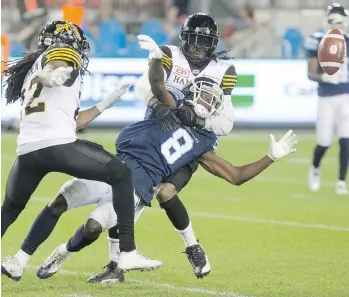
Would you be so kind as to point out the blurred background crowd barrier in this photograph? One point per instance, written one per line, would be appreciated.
(272, 29)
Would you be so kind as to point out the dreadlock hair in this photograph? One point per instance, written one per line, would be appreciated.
(16, 72)
(221, 54)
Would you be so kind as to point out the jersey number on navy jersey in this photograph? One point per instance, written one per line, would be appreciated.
(35, 89)
(176, 146)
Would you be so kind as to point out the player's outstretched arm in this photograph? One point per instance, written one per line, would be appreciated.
(156, 74)
(237, 175)
(88, 115)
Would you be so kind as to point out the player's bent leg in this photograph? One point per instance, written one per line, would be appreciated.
(21, 183)
(112, 272)
(325, 127)
(314, 180)
(83, 237)
(178, 215)
(74, 193)
(341, 188)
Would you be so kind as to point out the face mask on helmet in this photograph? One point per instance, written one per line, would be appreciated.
(199, 46)
(206, 97)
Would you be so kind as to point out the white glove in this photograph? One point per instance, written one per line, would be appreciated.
(147, 43)
(55, 78)
(330, 79)
(283, 147)
(61, 75)
(114, 95)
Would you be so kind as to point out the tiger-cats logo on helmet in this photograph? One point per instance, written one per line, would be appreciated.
(70, 28)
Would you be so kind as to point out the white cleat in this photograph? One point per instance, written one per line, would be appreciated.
(134, 260)
(12, 268)
(341, 188)
(314, 179)
(53, 263)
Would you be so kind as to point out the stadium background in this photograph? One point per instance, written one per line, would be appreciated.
(268, 238)
(268, 33)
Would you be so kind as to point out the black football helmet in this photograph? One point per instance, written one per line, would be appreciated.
(337, 16)
(66, 33)
(199, 38)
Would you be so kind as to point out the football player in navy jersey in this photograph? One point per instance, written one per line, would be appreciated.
(153, 149)
(333, 104)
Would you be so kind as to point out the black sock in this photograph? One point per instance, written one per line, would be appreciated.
(176, 212)
(319, 152)
(113, 232)
(343, 158)
(79, 240)
(40, 230)
(9, 214)
(123, 202)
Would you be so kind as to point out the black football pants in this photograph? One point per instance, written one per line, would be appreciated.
(81, 159)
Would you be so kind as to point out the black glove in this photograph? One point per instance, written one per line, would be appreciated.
(166, 115)
(188, 117)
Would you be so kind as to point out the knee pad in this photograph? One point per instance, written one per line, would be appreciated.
(166, 192)
(344, 144)
(118, 171)
(59, 205)
(92, 229)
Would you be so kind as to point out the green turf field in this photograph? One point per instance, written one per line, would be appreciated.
(268, 238)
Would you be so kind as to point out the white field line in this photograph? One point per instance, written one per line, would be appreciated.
(78, 295)
(151, 283)
(240, 218)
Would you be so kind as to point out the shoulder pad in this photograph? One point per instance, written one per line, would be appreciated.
(62, 52)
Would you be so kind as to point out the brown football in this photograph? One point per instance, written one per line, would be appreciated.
(332, 51)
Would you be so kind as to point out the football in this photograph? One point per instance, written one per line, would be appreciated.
(332, 51)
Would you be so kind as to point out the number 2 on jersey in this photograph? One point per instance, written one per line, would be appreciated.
(35, 89)
(176, 146)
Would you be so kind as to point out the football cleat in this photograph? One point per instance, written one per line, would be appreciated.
(341, 188)
(134, 260)
(12, 268)
(314, 179)
(52, 263)
(112, 274)
(198, 259)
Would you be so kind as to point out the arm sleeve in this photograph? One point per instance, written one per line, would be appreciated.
(223, 123)
(311, 45)
(62, 53)
(166, 60)
(229, 80)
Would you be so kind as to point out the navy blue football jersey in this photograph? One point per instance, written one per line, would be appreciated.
(160, 153)
(325, 90)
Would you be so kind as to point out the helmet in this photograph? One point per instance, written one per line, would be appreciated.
(206, 96)
(198, 38)
(67, 33)
(337, 16)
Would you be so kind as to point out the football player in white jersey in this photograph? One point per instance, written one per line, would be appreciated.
(196, 56)
(333, 104)
(48, 82)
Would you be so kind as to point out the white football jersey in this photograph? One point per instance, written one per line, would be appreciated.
(48, 115)
(179, 72)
